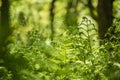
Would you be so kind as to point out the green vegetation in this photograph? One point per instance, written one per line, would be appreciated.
(59, 40)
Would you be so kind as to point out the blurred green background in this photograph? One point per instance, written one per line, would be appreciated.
(59, 40)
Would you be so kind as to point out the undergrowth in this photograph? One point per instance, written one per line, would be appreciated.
(74, 55)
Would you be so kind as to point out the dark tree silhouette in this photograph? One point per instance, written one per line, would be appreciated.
(5, 29)
(52, 14)
(105, 16)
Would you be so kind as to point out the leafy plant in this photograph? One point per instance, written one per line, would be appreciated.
(112, 45)
(72, 55)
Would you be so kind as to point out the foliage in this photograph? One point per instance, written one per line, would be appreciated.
(72, 55)
(112, 45)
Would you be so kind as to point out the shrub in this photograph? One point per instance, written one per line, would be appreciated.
(72, 55)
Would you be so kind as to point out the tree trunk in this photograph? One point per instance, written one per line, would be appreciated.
(105, 16)
(52, 6)
(5, 30)
(4, 34)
